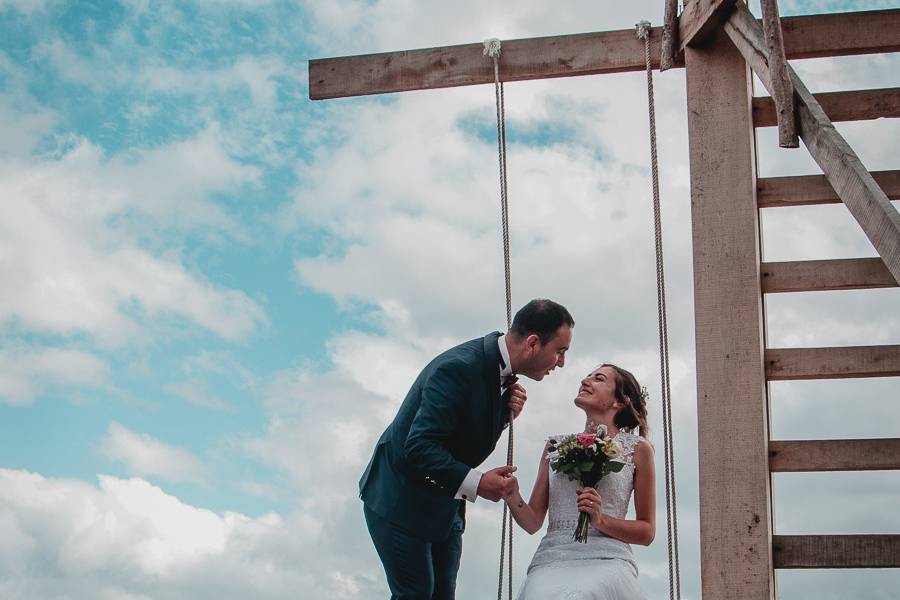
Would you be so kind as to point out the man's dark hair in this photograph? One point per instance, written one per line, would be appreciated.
(541, 317)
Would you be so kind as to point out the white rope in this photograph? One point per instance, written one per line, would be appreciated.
(643, 32)
(492, 50)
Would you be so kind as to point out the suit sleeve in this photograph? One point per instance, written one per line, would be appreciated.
(443, 398)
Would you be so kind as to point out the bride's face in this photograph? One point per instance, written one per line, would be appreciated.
(598, 390)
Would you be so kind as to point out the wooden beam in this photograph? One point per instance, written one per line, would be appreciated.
(854, 184)
(857, 105)
(803, 190)
(836, 551)
(832, 363)
(825, 275)
(803, 456)
(735, 510)
(699, 18)
(669, 48)
(619, 51)
(782, 88)
(842, 34)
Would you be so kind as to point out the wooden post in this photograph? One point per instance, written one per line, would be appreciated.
(782, 88)
(732, 399)
(669, 47)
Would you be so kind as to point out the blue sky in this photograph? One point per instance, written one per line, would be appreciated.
(217, 291)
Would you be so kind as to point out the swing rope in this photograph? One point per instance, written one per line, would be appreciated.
(492, 50)
(643, 32)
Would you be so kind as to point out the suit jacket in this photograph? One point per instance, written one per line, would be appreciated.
(449, 422)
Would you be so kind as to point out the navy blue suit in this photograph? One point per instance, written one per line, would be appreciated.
(449, 422)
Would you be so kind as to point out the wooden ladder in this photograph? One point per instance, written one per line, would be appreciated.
(739, 550)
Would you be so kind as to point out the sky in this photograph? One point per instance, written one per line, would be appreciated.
(217, 292)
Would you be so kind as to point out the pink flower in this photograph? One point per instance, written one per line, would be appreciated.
(586, 440)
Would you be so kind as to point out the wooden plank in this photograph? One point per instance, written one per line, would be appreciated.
(521, 60)
(619, 51)
(669, 48)
(802, 190)
(825, 275)
(842, 34)
(857, 105)
(836, 551)
(832, 363)
(854, 184)
(699, 18)
(735, 513)
(803, 456)
(782, 88)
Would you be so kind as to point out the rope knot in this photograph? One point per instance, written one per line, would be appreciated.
(643, 30)
(492, 47)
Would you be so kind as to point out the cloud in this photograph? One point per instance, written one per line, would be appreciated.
(26, 371)
(70, 253)
(144, 455)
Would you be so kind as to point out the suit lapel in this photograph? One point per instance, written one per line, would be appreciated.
(492, 382)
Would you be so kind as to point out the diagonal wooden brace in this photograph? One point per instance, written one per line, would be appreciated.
(854, 184)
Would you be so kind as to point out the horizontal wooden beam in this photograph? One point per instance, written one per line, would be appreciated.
(832, 363)
(835, 551)
(858, 105)
(802, 190)
(825, 275)
(801, 456)
(867, 202)
(619, 51)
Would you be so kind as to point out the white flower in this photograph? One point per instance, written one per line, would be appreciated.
(613, 449)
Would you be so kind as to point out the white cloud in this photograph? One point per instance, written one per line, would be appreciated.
(26, 371)
(145, 455)
(196, 392)
(69, 255)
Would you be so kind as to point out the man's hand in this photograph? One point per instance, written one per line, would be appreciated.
(497, 483)
(517, 397)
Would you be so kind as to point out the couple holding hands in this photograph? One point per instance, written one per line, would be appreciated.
(422, 472)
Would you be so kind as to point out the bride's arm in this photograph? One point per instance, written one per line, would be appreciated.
(530, 515)
(641, 529)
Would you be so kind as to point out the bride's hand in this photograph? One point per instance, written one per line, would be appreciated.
(590, 502)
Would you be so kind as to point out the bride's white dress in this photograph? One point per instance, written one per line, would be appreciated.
(603, 568)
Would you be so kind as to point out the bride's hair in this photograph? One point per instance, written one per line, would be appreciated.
(629, 393)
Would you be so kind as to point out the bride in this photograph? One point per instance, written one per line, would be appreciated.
(603, 568)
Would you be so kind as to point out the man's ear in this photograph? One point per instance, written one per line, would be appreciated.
(532, 342)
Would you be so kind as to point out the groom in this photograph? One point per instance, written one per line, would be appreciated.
(422, 470)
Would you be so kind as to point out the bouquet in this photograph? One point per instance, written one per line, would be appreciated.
(587, 457)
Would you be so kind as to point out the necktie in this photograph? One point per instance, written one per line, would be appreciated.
(507, 381)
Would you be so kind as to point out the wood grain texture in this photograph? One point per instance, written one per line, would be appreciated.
(669, 48)
(825, 275)
(803, 456)
(841, 166)
(837, 34)
(841, 362)
(735, 513)
(856, 105)
(802, 190)
(699, 18)
(782, 88)
(836, 551)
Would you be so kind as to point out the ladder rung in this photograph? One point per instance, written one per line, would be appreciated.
(856, 105)
(832, 363)
(824, 275)
(803, 190)
(836, 551)
(801, 456)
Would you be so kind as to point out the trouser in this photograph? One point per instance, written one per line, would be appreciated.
(416, 569)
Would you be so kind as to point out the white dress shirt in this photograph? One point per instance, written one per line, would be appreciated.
(469, 488)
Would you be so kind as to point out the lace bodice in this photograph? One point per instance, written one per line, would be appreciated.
(615, 489)
(557, 547)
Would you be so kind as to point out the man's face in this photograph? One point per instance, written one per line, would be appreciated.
(546, 357)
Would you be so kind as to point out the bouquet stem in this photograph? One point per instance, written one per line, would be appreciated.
(581, 531)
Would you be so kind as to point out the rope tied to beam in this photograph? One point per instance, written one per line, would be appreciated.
(492, 49)
(643, 32)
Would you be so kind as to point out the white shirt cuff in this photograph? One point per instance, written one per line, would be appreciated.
(469, 488)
